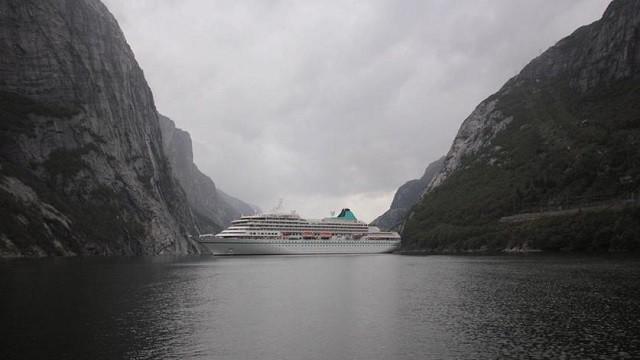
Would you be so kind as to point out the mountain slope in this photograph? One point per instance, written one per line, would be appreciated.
(82, 169)
(406, 196)
(236, 207)
(563, 132)
(213, 209)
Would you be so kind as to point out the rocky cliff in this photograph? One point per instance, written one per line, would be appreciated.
(212, 208)
(562, 133)
(82, 168)
(406, 197)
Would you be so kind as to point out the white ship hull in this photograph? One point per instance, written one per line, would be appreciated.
(231, 246)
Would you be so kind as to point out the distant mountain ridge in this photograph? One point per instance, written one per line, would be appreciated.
(406, 197)
(213, 209)
(565, 130)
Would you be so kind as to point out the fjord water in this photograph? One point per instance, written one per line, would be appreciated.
(320, 307)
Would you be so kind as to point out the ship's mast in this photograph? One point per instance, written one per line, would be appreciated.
(278, 209)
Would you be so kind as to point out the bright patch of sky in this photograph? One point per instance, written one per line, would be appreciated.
(331, 104)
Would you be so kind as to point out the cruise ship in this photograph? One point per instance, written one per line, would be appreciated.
(278, 234)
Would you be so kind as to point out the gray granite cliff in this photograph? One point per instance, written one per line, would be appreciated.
(212, 208)
(406, 196)
(82, 167)
(595, 55)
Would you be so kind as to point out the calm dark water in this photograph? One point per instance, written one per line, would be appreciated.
(321, 307)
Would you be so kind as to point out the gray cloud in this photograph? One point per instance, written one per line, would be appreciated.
(332, 103)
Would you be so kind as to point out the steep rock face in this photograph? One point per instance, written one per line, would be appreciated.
(406, 197)
(562, 132)
(82, 169)
(236, 207)
(213, 209)
(476, 131)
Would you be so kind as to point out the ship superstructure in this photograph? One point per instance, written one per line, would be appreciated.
(291, 234)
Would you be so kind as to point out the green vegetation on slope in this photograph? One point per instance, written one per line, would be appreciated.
(561, 148)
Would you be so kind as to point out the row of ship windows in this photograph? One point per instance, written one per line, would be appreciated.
(300, 224)
(336, 245)
(311, 233)
(364, 243)
(267, 223)
(235, 226)
(271, 220)
(301, 237)
(323, 240)
(301, 229)
(294, 232)
(358, 228)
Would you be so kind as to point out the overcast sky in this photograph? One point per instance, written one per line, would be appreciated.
(330, 104)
